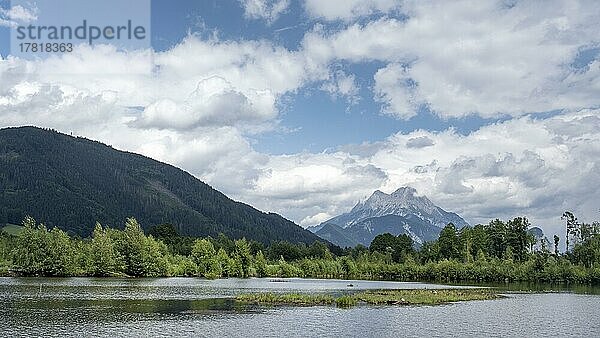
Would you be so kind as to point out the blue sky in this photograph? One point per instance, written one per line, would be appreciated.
(304, 107)
(319, 122)
(171, 21)
(312, 120)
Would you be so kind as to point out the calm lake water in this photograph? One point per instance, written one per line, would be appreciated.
(195, 307)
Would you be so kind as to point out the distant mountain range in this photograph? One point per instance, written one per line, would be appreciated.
(401, 212)
(72, 182)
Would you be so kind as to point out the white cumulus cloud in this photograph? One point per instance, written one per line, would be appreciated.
(484, 58)
(348, 9)
(397, 91)
(342, 85)
(199, 104)
(16, 15)
(268, 10)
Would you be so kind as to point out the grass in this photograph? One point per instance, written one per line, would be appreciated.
(373, 297)
(345, 301)
(12, 229)
(424, 297)
(286, 299)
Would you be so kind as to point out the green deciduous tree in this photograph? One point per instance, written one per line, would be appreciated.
(106, 260)
(6, 244)
(517, 237)
(222, 266)
(430, 252)
(203, 254)
(42, 252)
(348, 267)
(317, 250)
(571, 227)
(397, 246)
(448, 242)
(242, 253)
(261, 264)
(497, 238)
(587, 253)
(143, 256)
(60, 254)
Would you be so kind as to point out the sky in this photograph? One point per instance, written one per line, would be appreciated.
(305, 107)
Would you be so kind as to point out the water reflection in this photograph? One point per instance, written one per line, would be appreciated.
(181, 288)
(196, 307)
(517, 287)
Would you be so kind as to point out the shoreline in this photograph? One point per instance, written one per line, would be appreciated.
(276, 279)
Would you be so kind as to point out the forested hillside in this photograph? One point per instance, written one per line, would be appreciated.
(72, 183)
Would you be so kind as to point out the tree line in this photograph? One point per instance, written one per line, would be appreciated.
(495, 252)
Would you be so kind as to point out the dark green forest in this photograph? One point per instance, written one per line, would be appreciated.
(495, 252)
(80, 193)
(71, 182)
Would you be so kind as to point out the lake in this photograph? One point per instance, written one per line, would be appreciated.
(196, 307)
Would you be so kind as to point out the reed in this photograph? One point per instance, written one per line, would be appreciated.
(286, 299)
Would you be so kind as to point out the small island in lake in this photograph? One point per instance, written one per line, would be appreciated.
(372, 297)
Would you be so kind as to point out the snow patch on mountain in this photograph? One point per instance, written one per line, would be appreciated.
(417, 215)
(402, 202)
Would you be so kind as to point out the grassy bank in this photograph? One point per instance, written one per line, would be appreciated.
(372, 297)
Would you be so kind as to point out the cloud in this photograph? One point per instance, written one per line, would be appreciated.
(348, 9)
(344, 86)
(522, 167)
(316, 219)
(58, 105)
(234, 83)
(268, 10)
(309, 184)
(21, 14)
(198, 104)
(419, 142)
(397, 91)
(247, 65)
(460, 58)
(16, 15)
(215, 102)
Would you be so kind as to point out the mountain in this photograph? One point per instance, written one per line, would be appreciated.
(73, 182)
(536, 232)
(337, 234)
(540, 240)
(401, 212)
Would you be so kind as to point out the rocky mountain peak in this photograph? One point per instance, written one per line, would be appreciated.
(402, 198)
(405, 191)
(412, 214)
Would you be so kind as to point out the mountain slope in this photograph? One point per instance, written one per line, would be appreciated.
(401, 212)
(73, 182)
(419, 230)
(332, 232)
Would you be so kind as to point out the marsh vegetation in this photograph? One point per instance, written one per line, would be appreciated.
(372, 297)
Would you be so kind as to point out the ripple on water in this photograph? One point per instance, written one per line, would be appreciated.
(179, 307)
